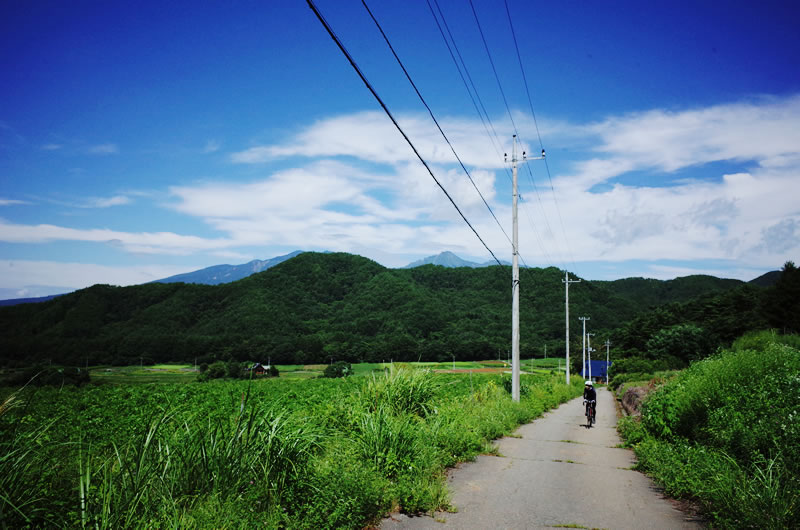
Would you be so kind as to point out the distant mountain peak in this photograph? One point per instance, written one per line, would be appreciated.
(447, 259)
(218, 274)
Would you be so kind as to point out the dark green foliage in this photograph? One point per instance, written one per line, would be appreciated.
(338, 369)
(216, 370)
(722, 318)
(234, 369)
(725, 431)
(39, 375)
(317, 306)
(682, 341)
(782, 303)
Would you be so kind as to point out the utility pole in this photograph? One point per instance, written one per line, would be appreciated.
(567, 281)
(583, 366)
(589, 352)
(545, 351)
(514, 277)
(608, 365)
(515, 270)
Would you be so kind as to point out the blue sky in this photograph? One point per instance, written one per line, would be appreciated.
(141, 141)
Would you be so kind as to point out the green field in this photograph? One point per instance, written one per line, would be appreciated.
(276, 452)
(158, 373)
(186, 373)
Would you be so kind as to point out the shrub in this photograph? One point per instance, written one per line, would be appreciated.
(725, 432)
(338, 369)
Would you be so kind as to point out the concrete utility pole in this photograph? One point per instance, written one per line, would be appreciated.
(515, 270)
(608, 365)
(514, 277)
(566, 282)
(589, 352)
(583, 366)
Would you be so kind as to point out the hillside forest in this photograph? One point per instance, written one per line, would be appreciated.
(318, 308)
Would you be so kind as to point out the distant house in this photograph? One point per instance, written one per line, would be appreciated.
(599, 370)
(259, 369)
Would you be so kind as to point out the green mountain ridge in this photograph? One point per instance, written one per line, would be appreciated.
(317, 307)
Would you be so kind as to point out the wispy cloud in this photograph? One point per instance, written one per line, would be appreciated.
(11, 202)
(117, 200)
(52, 147)
(371, 136)
(167, 243)
(73, 275)
(103, 149)
(212, 146)
(762, 131)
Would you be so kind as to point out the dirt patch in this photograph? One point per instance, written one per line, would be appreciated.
(632, 399)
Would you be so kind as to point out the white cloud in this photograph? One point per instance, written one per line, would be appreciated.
(104, 149)
(142, 242)
(107, 202)
(748, 217)
(737, 216)
(763, 131)
(371, 136)
(51, 147)
(11, 202)
(16, 273)
(212, 146)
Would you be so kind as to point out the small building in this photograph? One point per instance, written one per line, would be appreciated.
(259, 369)
(599, 370)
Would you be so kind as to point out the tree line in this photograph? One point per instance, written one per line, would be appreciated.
(317, 308)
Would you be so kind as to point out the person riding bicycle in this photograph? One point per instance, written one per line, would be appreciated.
(590, 395)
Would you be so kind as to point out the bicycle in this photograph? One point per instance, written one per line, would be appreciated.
(590, 412)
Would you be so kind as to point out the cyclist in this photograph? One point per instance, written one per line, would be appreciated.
(590, 395)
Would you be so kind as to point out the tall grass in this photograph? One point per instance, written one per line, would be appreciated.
(259, 456)
(724, 432)
(308, 454)
(402, 389)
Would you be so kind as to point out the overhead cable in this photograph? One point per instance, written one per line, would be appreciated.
(493, 138)
(508, 109)
(369, 86)
(538, 134)
(433, 117)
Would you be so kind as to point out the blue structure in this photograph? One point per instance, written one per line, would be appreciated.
(599, 370)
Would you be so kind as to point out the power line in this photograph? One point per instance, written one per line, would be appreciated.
(461, 74)
(514, 125)
(369, 86)
(493, 137)
(538, 134)
(433, 117)
(491, 61)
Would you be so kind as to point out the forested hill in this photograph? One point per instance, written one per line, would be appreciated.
(315, 307)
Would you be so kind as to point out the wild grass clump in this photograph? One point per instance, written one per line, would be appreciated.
(724, 432)
(402, 389)
(259, 456)
(325, 453)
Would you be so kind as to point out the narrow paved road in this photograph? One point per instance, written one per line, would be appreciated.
(556, 473)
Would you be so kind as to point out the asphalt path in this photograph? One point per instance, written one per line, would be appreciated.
(554, 472)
